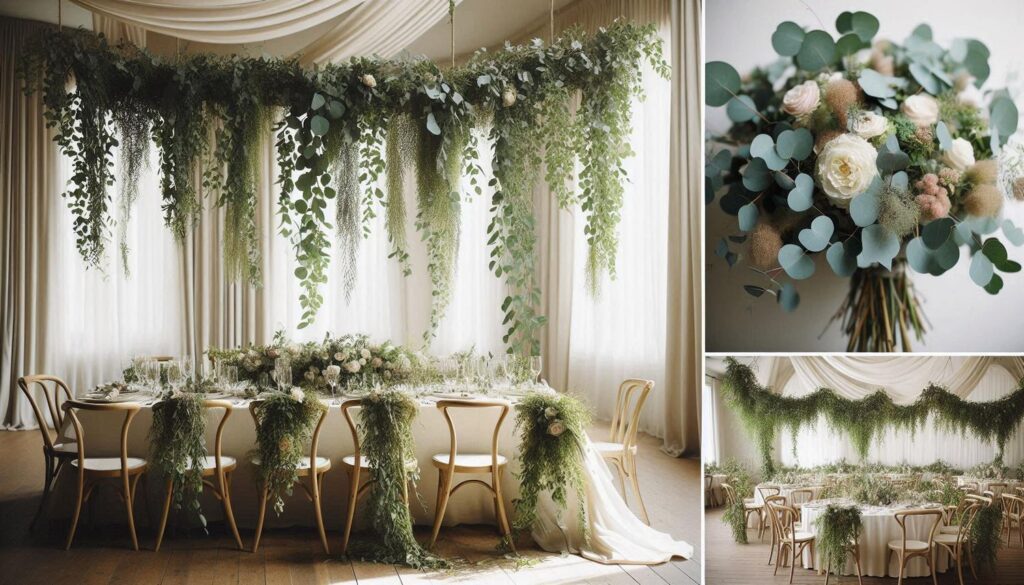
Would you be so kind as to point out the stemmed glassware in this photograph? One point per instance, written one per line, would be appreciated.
(332, 374)
(283, 374)
(535, 368)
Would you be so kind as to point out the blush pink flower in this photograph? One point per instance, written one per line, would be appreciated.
(932, 198)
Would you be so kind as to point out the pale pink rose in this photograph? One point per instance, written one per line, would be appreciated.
(802, 100)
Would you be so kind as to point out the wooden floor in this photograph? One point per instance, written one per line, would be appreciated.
(671, 489)
(729, 563)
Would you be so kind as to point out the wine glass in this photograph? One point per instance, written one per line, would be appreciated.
(175, 375)
(535, 367)
(229, 376)
(186, 364)
(283, 374)
(332, 374)
(151, 372)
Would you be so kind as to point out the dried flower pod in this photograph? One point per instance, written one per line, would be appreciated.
(983, 172)
(841, 95)
(765, 243)
(984, 201)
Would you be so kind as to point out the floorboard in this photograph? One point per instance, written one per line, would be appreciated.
(101, 555)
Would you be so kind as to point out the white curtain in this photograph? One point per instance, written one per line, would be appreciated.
(98, 320)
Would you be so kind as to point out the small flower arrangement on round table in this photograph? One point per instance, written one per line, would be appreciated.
(881, 156)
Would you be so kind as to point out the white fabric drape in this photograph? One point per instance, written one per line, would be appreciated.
(902, 377)
(222, 21)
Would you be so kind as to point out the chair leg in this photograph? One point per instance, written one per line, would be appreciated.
(500, 503)
(163, 516)
(315, 479)
(636, 488)
(442, 503)
(229, 514)
(931, 566)
(78, 510)
(260, 519)
(127, 489)
(828, 569)
(792, 564)
(353, 494)
(900, 580)
(960, 564)
(860, 575)
(778, 562)
(48, 479)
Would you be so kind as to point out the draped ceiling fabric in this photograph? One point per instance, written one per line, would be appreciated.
(222, 21)
(901, 377)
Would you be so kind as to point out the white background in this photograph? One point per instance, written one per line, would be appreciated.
(963, 316)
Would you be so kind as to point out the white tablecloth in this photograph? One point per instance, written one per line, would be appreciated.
(879, 528)
(983, 484)
(617, 535)
(784, 490)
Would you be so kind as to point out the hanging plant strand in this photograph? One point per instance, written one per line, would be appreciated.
(381, 106)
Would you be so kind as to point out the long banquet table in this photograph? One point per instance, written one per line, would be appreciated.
(879, 527)
(617, 535)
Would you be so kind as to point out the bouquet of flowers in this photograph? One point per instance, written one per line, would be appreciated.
(877, 155)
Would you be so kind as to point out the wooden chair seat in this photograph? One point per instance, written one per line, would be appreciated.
(912, 545)
(799, 536)
(954, 529)
(364, 463)
(610, 447)
(322, 464)
(69, 449)
(950, 538)
(468, 462)
(111, 466)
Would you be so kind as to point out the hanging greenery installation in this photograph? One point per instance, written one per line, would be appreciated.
(341, 127)
(764, 413)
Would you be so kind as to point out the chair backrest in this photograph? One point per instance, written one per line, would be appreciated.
(346, 407)
(53, 401)
(967, 520)
(218, 438)
(628, 403)
(784, 517)
(996, 489)
(129, 409)
(708, 481)
(768, 490)
(255, 409)
(446, 406)
(730, 493)
(976, 498)
(1012, 504)
(901, 519)
(801, 496)
(773, 501)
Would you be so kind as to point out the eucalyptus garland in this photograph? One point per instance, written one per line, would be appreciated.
(838, 530)
(552, 428)
(385, 424)
(764, 413)
(207, 112)
(286, 423)
(177, 445)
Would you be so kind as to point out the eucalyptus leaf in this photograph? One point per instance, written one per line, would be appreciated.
(817, 52)
(787, 39)
(797, 264)
(721, 83)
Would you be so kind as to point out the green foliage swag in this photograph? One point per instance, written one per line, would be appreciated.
(385, 424)
(338, 129)
(551, 427)
(985, 540)
(176, 438)
(838, 528)
(286, 423)
(740, 479)
(764, 413)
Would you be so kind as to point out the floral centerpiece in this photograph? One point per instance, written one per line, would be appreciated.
(879, 156)
(357, 359)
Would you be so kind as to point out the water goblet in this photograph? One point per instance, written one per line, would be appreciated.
(332, 374)
(535, 367)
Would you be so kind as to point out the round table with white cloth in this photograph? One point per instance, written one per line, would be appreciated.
(879, 527)
(984, 484)
(616, 534)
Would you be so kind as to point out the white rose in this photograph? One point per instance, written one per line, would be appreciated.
(339, 357)
(868, 125)
(376, 362)
(352, 367)
(556, 428)
(960, 156)
(550, 412)
(508, 98)
(297, 394)
(333, 370)
(825, 77)
(802, 100)
(362, 361)
(368, 80)
(365, 353)
(846, 166)
(922, 109)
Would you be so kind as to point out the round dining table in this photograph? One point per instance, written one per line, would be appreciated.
(878, 528)
(617, 535)
(785, 490)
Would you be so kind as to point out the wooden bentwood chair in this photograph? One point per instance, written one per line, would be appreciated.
(56, 454)
(749, 507)
(908, 549)
(313, 467)
(448, 464)
(621, 448)
(791, 541)
(959, 543)
(219, 466)
(355, 465)
(778, 501)
(93, 469)
(1013, 514)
